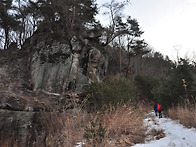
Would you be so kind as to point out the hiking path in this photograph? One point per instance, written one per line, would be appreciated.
(165, 132)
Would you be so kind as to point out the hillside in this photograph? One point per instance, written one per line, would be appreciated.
(65, 78)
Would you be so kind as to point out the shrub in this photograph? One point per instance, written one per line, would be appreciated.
(94, 131)
(120, 126)
(177, 85)
(145, 85)
(112, 91)
(168, 92)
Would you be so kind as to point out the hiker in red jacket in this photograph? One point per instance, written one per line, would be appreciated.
(155, 108)
(159, 110)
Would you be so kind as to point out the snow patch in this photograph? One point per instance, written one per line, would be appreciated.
(176, 135)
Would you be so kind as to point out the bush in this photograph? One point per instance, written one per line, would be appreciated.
(145, 85)
(120, 126)
(177, 85)
(94, 131)
(169, 92)
(112, 91)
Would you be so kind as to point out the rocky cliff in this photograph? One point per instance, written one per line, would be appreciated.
(45, 72)
(60, 66)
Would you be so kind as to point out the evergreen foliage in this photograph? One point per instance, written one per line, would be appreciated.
(23, 17)
(94, 131)
(145, 85)
(177, 86)
(20, 19)
(8, 21)
(113, 91)
(70, 16)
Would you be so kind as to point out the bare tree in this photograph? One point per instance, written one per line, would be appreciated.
(116, 28)
(126, 34)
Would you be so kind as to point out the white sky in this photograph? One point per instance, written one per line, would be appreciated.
(169, 25)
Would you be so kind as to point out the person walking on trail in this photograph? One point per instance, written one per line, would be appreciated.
(155, 108)
(159, 110)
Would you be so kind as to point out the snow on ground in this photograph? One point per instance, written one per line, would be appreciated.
(79, 144)
(176, 135)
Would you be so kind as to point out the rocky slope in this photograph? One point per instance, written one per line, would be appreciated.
(47, 74)
(42, 75)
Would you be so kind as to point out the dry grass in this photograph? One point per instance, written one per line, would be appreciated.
(123, 127)
(65, 129)
(186, 115)
(158, 134)
(57, 130)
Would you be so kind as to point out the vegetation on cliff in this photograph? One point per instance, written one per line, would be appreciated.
(77, 81)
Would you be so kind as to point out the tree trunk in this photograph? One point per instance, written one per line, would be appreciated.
(6, 38)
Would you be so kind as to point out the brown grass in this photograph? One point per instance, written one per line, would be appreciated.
(123, 125)
(186, 115)
(158, 134)
(66, 129)
(58, 130)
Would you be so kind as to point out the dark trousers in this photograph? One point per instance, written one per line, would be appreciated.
(155, 112)
(160, 114)
(159, 111)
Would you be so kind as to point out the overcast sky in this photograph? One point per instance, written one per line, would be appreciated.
(169, 25)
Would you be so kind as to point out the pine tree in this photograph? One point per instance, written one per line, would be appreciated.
(7, 21)
(70, 15)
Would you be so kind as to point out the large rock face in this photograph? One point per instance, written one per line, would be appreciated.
(19, 128)
(45, 68)
(67, 65)
(41, 74)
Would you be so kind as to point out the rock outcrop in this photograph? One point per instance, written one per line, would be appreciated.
(58, 67)
(42, 74)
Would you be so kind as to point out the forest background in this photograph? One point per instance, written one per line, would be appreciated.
(140, 74)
